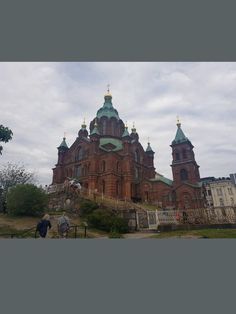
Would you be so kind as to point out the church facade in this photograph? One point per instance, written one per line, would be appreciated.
(111, 161)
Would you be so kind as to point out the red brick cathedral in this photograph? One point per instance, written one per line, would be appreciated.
(112, 161)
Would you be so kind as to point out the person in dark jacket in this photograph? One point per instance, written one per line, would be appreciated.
(43, 226)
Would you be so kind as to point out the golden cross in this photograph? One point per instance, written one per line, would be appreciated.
(108, 88)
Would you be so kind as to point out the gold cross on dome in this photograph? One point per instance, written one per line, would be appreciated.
(108, 88)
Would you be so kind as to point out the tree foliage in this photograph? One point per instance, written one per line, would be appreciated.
(5, 136)
(26, 200)
(87, 207)
(13, 174)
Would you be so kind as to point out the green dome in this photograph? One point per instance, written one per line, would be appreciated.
(63, 144)
(108, 110)
(149, 149)
(126, 132)
(180, 137)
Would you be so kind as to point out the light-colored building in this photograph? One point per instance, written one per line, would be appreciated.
(220, 192)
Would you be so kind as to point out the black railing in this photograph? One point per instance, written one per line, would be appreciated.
(32, 232)
(18, 234)
(76, 229)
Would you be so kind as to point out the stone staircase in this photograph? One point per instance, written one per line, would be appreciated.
(64, 199)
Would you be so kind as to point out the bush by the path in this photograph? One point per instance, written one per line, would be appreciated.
(26, 200)
(87, 207)
(106, 220)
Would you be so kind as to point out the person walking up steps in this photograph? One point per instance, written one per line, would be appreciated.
(63, 225)
(43, 226)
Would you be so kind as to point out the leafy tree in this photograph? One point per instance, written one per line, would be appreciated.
(26, 200)
(5, 136)
(11, 175)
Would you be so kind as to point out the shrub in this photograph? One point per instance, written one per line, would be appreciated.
(87, 207)
(106, 220)
(26, 200)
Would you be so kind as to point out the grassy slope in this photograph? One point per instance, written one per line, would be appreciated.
(16, 225)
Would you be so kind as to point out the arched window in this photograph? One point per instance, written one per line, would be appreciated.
(103, 166)
(85, 170)
(184, 153)
(112, 127)
(79, 154)
(136, 173)
(136, 156)
(78, 171)
(117, 166)
(183, 175)
(104, 126)
(177, 156)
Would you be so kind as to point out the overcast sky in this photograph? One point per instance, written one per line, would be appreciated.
(41, 101)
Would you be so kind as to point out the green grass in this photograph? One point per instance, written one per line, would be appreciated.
(202, 233)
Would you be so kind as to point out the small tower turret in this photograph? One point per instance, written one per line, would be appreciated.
(184, 166)
(62, 149)
(134, 134)
(83, 131)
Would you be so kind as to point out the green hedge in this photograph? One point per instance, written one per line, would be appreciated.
(106, 220)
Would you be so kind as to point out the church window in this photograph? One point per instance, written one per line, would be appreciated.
(79, 154)
(183, 175)
(103, 165)
(113, 127)
(184, 153)
(85, 170)
(118, 166)
(177, 157)
(136, 156)
(104, 125)
(136, 173)
(78, 171)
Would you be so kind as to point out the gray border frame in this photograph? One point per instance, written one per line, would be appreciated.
(117, 276)
(108, 30)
